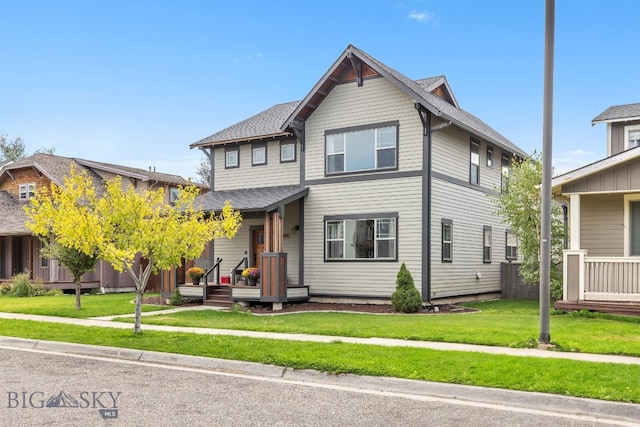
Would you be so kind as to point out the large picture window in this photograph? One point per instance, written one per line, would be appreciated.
(362, 149)
(356, 239)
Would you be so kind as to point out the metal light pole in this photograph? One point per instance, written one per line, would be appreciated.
(547, 131)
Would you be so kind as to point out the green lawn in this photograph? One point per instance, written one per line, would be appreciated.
(566, 377)
(505, 323)
(65, 305)
(500, 323)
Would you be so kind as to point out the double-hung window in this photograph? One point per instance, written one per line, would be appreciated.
(631, 136)
(447, 240)
(511, 246)
(504, 183)
(486, 246)
(372, 237)
(489, 157)
(474, 163)
(362, 148)
(27, 191)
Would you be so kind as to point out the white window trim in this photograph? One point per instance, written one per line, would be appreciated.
(485, 244)
(26, 191)
(475, 164)
(628, 129)
(445, 222)
(375, 237)
(628, 198)
(506, 246)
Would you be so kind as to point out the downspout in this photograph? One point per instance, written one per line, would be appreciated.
(425, 117)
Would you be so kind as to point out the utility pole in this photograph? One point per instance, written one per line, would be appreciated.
(547, 133)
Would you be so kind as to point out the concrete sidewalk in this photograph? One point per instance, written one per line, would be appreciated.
(107, 322)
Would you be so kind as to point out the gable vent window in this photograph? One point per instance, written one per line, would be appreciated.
(362, 148)
(27, 191)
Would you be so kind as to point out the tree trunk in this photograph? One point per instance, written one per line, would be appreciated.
(78, 292)
(138, 317)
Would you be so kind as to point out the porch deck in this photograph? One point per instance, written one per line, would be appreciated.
(610, 307)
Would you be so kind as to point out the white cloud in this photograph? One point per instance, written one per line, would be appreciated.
(423, 16)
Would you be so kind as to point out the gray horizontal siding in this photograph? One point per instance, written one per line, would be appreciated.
(601, 224)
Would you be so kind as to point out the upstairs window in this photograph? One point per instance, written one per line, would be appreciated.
(486, 246)
(231, 158)
(631, 136)
(489, 157)
(174, 193)
(505, 168)
(447, 240)
(356, 239)
(287, 152)
(511, 246)
(27, 191)
(258, 155)
(360, 148)
(474, 164)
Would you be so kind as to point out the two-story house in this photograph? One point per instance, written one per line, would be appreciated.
(20, 250)
(371, 169)
(602, 263)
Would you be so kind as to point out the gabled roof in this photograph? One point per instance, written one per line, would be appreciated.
(370, 66)
(57, 167)
(264, 199)
(595, 167)
(266, 124)
(618, 113)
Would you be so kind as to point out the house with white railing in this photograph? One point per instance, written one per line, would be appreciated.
(602, 262)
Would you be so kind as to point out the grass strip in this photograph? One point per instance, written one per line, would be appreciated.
(566, 377)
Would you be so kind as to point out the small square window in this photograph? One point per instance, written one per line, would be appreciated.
(27, 191)
(259, 155)
(288, 152)
(44, 262)
(231, 159)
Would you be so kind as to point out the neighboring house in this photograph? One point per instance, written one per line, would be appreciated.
(371, 169)
(602, 264)
(20, 250)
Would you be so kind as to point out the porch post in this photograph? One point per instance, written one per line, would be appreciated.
(573, 275)
(574, 222)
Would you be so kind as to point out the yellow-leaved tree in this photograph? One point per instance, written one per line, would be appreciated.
(119, 225)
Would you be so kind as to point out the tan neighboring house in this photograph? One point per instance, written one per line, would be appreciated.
(371, 169)
(602, 263)
(20, 250)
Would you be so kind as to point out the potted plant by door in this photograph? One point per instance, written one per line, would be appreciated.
(251, 275)
(196, 274)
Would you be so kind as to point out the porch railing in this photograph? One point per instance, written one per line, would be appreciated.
(215, 267)
(612, 275)
(234, 270)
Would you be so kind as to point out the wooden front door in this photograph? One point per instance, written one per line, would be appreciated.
(257, 243)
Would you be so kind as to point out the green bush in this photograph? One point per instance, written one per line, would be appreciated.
(21, 286)
(176, 298)
(54, 292)
(5, 288)
(406, 298)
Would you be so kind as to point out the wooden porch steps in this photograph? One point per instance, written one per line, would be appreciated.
(218, 296)
(611, 307)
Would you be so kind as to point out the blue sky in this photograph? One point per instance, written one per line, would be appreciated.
(135, 82)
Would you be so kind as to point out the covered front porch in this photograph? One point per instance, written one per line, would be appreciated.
(601, 267)
(270, 239)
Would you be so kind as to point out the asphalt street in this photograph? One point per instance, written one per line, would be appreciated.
(48, 383)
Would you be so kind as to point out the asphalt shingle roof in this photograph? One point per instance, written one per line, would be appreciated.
(265, 123)
(13, 217)
(615, 112)
(251, 199)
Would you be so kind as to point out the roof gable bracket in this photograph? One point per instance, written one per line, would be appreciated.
(356, 63)
(423, 113)
(298, 129)
(37, 171)
(13, 178)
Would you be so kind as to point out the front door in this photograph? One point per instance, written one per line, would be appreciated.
(257, 242)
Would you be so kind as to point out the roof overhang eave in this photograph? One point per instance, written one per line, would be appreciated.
(617, 120)
(239, 140)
